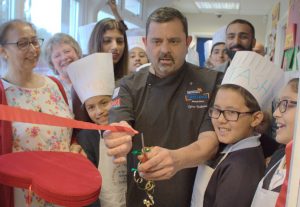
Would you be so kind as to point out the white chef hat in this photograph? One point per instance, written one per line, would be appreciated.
(135, 41)
(256, 74)
(219, 35)
(92, 75)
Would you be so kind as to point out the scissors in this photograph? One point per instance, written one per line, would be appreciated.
(146, 185)
(144, 149)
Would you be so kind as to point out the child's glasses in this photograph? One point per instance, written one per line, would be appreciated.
(284, 104)
(229, 115)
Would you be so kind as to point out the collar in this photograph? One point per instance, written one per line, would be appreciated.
(249, 142)
(223, 67)
(6, 84)
(143, 66)
(170, 79)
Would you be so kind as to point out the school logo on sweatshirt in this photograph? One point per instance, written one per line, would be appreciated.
(116, 103)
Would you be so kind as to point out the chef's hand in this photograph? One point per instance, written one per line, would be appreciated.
(158, 164)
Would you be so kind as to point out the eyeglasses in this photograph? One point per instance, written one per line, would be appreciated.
(229, 115)
(24, 44)
(284, 104)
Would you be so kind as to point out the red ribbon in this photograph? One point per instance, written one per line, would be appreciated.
(9, 113)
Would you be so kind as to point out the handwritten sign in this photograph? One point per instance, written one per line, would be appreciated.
(254, 73)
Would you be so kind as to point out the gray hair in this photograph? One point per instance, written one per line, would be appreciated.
(56, 39)
(4, 28)
(10, 25)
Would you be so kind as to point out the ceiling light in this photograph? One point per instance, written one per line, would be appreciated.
(206, 5)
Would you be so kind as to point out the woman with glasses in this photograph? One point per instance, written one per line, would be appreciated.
(238, 167)
(20, 48)
(269, 187)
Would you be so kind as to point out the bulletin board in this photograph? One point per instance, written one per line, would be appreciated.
(292, 40)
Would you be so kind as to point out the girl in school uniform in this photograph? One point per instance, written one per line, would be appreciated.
(235, 114)
(232, 177)
(269, 187)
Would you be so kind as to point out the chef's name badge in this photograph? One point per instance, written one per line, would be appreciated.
(196, 99)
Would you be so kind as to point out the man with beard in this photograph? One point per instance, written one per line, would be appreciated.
(168, 103)
(240, 35)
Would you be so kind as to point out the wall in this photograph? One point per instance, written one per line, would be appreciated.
(89, 10)
(280, 34)
(203, 25)
(283, 12)
(206, 24)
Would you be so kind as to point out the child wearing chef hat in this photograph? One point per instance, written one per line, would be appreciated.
(93, 80)
(137, 53)
(232, 177)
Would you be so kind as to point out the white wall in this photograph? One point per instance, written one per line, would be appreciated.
(206, 24)
(203, 25)
(89, 10)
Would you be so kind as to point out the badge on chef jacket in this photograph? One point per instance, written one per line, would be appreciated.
(197, 98)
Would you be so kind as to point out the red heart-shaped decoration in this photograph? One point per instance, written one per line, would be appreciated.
(62, 178)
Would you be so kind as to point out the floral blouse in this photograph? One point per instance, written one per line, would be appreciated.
(35, 137)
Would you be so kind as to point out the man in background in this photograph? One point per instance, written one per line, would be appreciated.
(240, 36)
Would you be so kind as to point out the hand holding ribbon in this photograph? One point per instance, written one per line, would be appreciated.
(119, 143)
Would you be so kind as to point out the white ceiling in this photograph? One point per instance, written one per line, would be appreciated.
(247, 7)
